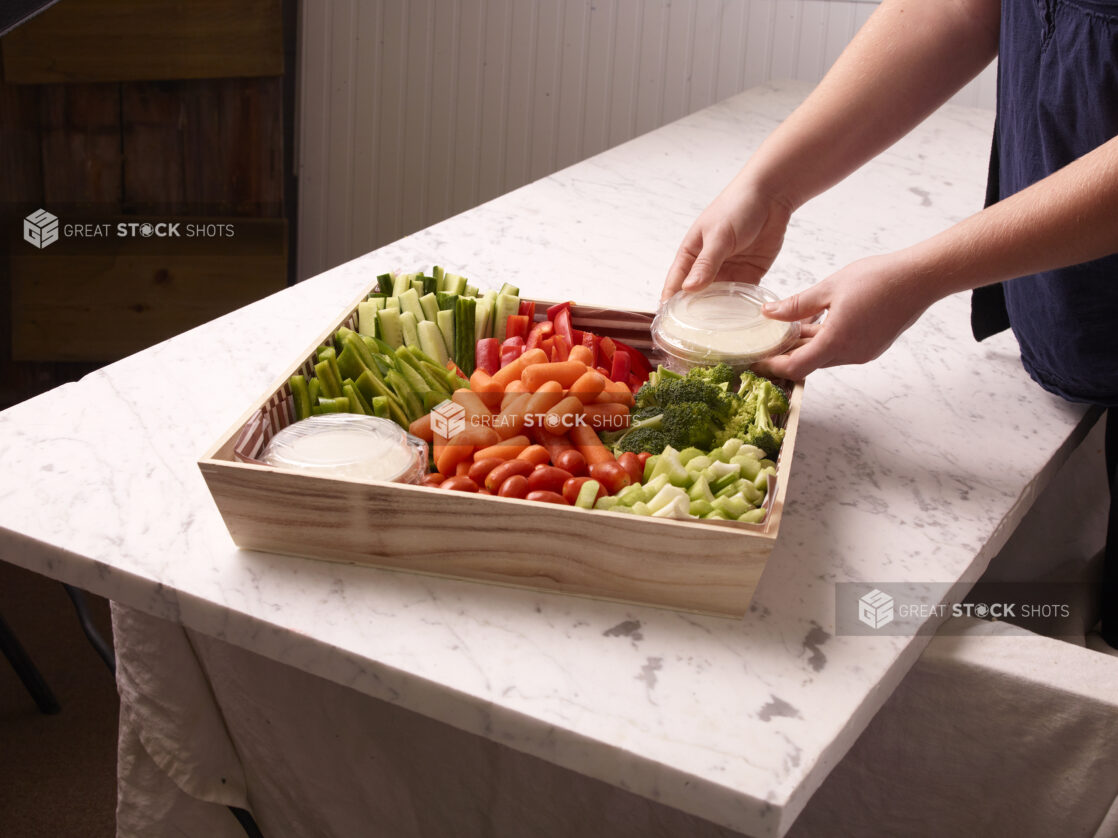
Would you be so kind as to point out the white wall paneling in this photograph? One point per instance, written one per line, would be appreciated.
(413, 110)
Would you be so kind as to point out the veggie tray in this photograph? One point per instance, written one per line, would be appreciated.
(591, 499)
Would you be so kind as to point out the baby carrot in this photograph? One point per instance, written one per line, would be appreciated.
(561, 418)
(487, 389)
(553, 445)
(616, 391)
(564, 372)
(477, 412)
(506, 449)
(461, 447)
(586, 440)
(516, 388)
(535, 454)
(512, 372)
(588, 386)
(581, 353)
(607, 417)
(421, 428)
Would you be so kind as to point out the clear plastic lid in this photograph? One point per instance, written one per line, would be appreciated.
(347, 445)
(722, 322)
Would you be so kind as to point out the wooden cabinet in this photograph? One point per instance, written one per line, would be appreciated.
(140, 112)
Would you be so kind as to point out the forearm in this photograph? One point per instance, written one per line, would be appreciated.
(908, 59)
(1067, 218)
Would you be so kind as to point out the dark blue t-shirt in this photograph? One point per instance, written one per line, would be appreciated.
(1057, 100)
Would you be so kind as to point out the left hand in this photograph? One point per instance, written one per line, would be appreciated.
(868, 304)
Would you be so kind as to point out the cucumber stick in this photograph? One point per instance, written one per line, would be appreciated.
(445, 319)
(408, 323)
(470, 290)
(391, 332)
(401, 283)
(384, 284)
(392, 303)
(431, 341)
(483, 317)
(507, 304)
(409, 301)
(465, 314)
(509, 289)
(454, 284)
(367, 316)
(430, 305)
(440, 278)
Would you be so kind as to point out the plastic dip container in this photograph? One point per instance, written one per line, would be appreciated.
(347, 445)
(721, 323)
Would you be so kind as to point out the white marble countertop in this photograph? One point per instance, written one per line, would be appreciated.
(911, 468)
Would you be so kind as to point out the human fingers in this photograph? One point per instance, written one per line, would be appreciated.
(718, 242)
(808, 356)
(800, 306)
(681, 265)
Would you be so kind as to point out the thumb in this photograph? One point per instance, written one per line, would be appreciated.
(799, 306)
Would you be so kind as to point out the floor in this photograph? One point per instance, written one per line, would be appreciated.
(58, 773)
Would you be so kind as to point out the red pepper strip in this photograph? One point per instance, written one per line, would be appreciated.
(591, 341)
(562, 348)
(621, 366)
(487, 355)
(603, 371)
(635, 382)
(454, 368)
(558, 307)
(511, 349)
(539, 332)
(562, 321)
(548, 346)
(528, 309)
(637, 362)
(517, 326)
(608, 347)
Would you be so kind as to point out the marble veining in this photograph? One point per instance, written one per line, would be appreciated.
(738, 721)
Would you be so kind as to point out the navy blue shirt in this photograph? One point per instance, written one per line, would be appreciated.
(1057, 100)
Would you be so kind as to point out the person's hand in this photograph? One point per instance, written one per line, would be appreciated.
(868, 304)
(736, 239)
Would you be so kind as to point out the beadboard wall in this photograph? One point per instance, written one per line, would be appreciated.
(411, 111)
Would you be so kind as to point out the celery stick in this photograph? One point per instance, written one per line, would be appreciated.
(350, 365)
(412, 402)
(301, 396)
(350, 393)
(380, 407)
(338, 405)
(314, 388)
(331, 382)
(430, 306)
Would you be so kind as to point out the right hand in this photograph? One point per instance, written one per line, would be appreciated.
(735, 239)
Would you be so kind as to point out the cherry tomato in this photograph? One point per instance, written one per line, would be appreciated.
(632, 464)
(433, 479)
(612, 475)
(548, 479)
(643, 457)
(504, 471)
(481, 468)
(459, 483)
(572, 460)
(572, 487)
(514, 487)
(547, 497)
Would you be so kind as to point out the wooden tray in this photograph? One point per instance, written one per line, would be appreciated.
(709, 567)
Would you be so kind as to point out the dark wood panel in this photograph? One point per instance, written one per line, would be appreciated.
(152, 120)
(81, 151)
(21, 173)
(233, 146)
(102, 301)
(146, 40)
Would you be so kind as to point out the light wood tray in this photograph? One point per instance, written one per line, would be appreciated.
(709, 567)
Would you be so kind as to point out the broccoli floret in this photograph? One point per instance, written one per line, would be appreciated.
(717, 375)
(645, 413)
(757, 389)
(763, 433)
(718, 400)
(644, 439)
(739, 423)
(689, 424)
